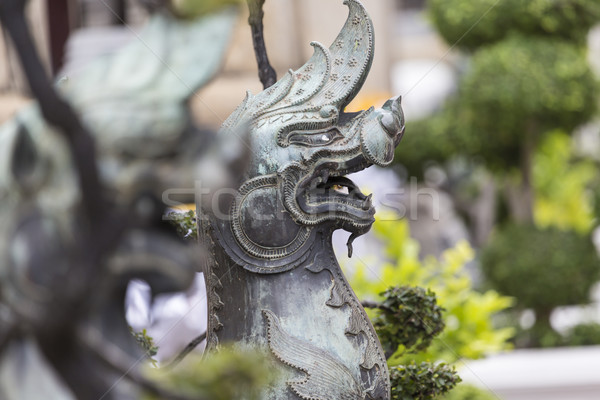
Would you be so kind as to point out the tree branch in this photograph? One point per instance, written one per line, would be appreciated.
(266, 73)
(370, 304)
(187, 350)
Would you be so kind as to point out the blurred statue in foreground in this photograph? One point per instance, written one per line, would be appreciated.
(82, 173)
(274, 281)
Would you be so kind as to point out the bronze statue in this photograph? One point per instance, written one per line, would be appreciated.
(273, 280)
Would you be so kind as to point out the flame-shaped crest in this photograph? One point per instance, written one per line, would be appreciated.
(317, 92)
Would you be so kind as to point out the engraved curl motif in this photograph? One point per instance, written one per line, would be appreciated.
(247, 244)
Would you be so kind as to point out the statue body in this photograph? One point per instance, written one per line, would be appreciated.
(273, 281)
(310, 320)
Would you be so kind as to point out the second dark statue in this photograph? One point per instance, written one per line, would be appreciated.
(273, 281)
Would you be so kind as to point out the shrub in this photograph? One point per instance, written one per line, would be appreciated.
(422, 381)
(468, 314)
(430, 140)
(409, 317)
(488, 21)
(516, 91)
(191, 9)
(542, 269)
(468, 392)
(224, 375)
(583, 335)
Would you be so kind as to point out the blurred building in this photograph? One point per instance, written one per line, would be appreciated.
(408, 54)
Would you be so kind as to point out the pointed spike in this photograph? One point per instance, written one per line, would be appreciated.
(334, 75)
(397, 105)
(367, 203)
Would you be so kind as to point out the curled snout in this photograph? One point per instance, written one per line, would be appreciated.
(392, 119)
(382, 132)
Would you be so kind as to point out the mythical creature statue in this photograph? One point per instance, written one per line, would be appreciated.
(62, 288)
(274, 281)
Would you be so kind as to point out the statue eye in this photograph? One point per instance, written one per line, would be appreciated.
(322, 137)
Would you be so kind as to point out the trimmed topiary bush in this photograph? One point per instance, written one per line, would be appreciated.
(431, 140)
(470, 332)
(409, 317)
(488, 21)
(422, 381)
(516, 91)
(528, 76)
(541, 268)
(468, 392)
(583, 335)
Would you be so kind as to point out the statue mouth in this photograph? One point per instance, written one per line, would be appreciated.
(337, 196)
(325, 194)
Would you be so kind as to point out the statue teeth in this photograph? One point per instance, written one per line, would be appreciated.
(315, 182)
(367, 203)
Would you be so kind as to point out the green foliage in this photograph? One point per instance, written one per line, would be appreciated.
(528, 81)
(408, 317)
(226, 375)
(185, 223)
(515, 90)
(562, 186)
(407, 321)
(429, 140)
(480, 18)
(468, 392)
(518, 89)
(542, 268)
(583, 335)
(468, 314)
(473, 23)
(519, 86)
(146, 343)
(190, 9)
(422, 381)
(541, 335)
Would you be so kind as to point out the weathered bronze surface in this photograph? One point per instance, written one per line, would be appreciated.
(274, 281)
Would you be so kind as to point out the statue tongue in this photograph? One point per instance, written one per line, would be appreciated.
(353, 236)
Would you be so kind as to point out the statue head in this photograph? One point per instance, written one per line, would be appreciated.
(303, 144)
